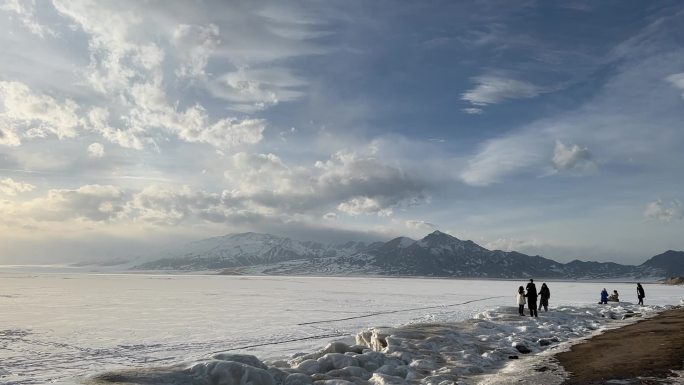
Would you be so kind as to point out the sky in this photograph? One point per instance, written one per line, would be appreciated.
(547, 127)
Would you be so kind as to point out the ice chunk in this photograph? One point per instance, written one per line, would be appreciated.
(333, 382)
(246, 359)
(230, 372)
(299, 358)
(393, 370)
(423, 364)
(440, 379)
(341, 347)
(206, 372)
(298, 379)
(280, 364)
(371, 360)
(278, 375)
(309, 366)
(332, 361)
(350, 371)
(374, 339)
(385, 379)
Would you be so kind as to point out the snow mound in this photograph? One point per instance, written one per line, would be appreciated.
(430, 354)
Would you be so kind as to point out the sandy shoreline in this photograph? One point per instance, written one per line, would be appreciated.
(640, 353)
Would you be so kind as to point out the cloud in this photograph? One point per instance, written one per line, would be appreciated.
(615, 119)
(127, 68)
(350, 182)
(494, 89)
(89, 202)
(9, 186)
(420, 225)
(29, 114)
(574, 158)
(24, 10)
(191, 125)
(363, 184)
(154, 204)
(162, 205)
(677, 80)
(513, 244)
(503, 156)
(145, 76)
(256, 89)
(665, 212)
(98, 121)
(8, 135)
(116, 60)
(473, 111)
(195, 44)
(255, 175)
(364, 205)
(330, 216)
(226, 133)
(95, 150)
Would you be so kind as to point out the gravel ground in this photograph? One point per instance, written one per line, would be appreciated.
(647, 352)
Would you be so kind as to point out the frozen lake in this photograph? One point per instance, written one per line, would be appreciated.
(55, 326)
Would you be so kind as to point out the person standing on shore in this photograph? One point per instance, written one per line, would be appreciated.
(641, 294)
(545, 294)
(604, 296)
(532, 298)
(520, 300)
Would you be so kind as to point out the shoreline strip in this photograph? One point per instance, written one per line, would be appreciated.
(652, 347)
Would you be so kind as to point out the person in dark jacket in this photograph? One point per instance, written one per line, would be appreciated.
(604, 296)
(532, 298)
(641, 294)
(544, 294)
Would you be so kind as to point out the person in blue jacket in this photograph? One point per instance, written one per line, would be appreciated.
(604, 296)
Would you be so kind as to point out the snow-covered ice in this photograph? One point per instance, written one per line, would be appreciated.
(58, 327)
(465, 352)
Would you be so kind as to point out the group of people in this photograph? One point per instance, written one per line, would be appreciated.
(605, 298)
(529, 295)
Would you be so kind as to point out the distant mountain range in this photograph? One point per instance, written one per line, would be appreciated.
(436, 255)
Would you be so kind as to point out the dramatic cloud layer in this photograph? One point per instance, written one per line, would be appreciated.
(141, 123)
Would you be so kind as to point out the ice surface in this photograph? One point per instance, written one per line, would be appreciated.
(57, 327)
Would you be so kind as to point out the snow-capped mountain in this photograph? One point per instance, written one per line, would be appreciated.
(436, 255)
(245, 249)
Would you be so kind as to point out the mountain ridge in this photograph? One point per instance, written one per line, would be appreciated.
(671, 261)
(437, 254)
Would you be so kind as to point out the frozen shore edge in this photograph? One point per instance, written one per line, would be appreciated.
(491, 348)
